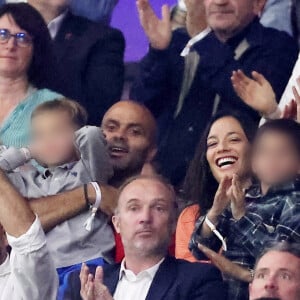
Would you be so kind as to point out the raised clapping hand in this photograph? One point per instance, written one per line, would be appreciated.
(237, 198)
(256, 92)
(230, 191)
(221, 200)
(159, 32)
(292, 110)
(93, 288)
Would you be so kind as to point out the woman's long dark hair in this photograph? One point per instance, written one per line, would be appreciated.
(200, 185)
(41, 69)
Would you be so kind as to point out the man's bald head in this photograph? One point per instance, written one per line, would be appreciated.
(133, 112)
(131, 132)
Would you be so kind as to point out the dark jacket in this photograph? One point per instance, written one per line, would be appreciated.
(90, 61)
(265, 50)
(174, 280)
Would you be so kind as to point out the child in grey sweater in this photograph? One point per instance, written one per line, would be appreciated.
(72, 154)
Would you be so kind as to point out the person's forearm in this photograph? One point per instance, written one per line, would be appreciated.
(15, 214)
(54, 210)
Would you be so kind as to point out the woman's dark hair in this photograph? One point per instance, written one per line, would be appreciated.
(200, 185)
(289, 128)
(40, 72)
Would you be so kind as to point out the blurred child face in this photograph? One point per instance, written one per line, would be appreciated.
(53, 138)
(275, 158)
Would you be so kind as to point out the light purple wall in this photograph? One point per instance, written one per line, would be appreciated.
(125, 18)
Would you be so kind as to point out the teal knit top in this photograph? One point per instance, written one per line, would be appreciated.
(15, 130)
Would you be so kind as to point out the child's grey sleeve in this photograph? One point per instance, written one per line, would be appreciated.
(12, 158)
(93, 150)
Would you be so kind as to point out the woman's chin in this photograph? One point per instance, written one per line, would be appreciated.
(228, 172)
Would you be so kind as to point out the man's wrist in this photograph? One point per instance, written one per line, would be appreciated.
(89, 195)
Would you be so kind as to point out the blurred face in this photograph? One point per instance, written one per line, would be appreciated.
(275, 159)
(228, 17)
(53, 138)
(129, 131)
(228, 149)
(145, 217)
(14, 60)
(277, 276)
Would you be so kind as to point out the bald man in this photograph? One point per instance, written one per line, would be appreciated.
(130, 131)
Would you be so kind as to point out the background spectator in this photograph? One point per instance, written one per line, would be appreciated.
(89, 58)
(26, 69)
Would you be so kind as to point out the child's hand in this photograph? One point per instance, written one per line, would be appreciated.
(237, 197)
(33, 149)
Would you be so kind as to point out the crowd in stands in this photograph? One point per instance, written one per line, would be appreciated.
(189, 190)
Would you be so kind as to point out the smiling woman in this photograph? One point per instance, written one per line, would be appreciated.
(222, 159)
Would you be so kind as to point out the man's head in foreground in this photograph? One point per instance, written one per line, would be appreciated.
(277, 274)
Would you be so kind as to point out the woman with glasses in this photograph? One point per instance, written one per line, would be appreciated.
(25, 65)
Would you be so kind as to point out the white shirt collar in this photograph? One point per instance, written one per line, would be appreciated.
(5, 267)
(54, 25)
(194, 40)
(131, 276)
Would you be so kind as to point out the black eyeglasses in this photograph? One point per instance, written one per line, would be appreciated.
(22, 39)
